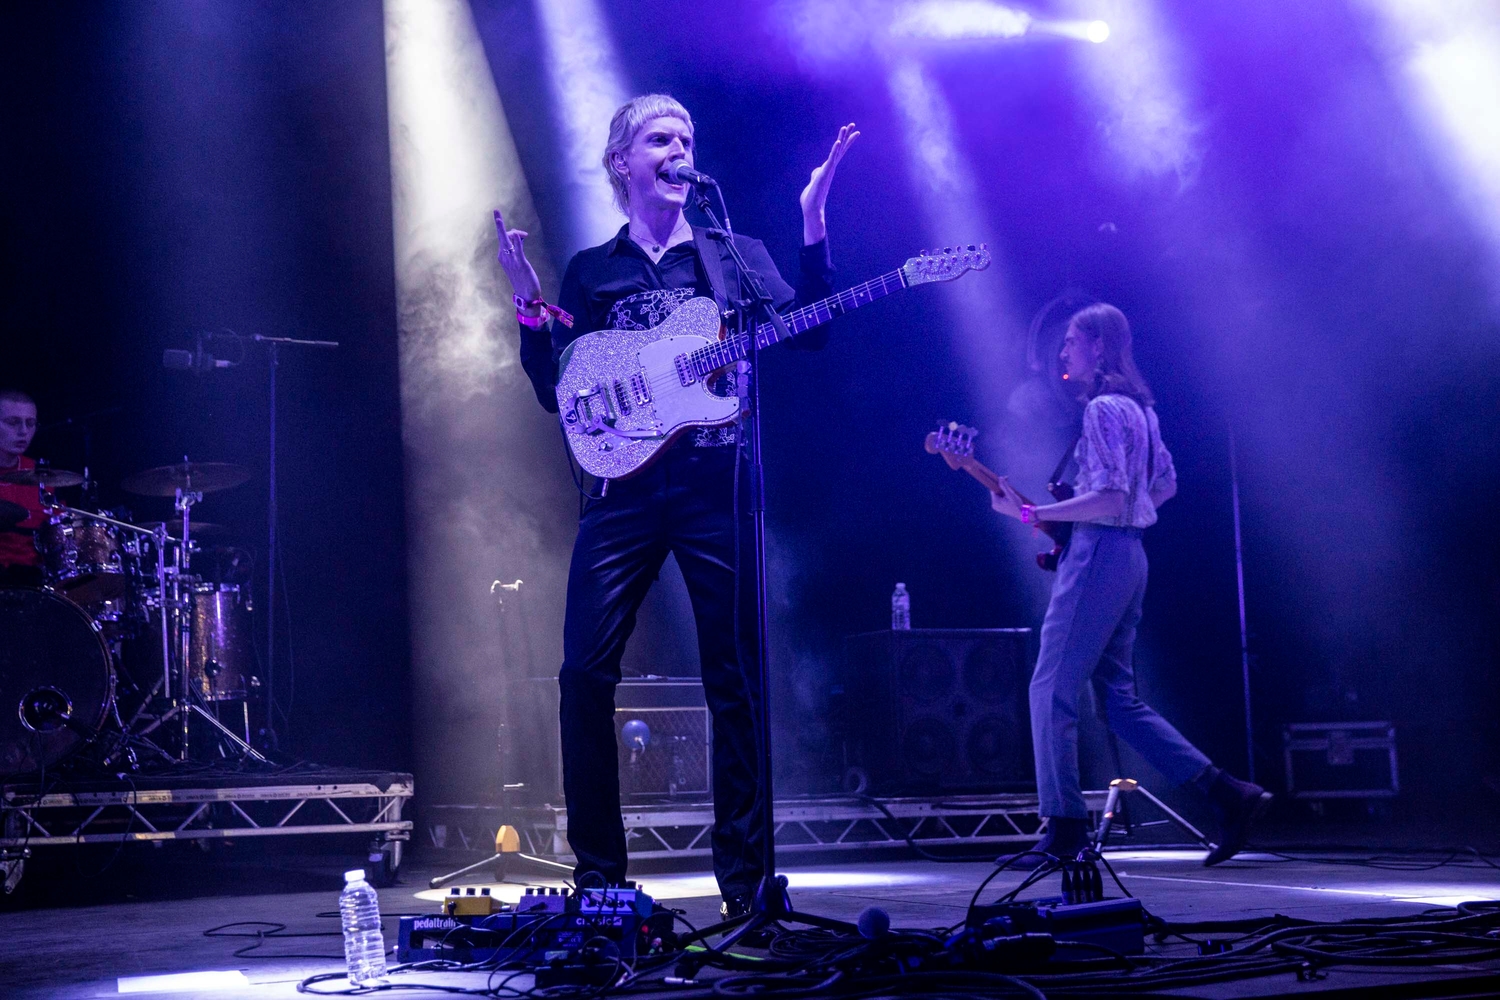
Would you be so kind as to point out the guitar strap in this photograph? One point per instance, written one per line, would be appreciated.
(707, 241)
(1062, 464)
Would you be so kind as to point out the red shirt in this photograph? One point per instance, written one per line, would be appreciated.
(17, 548)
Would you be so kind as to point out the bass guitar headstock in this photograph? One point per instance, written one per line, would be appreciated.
(945, 264)
(954, 442)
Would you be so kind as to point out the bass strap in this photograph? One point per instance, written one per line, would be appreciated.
(1062, 464)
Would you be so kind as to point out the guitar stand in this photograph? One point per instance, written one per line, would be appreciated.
(1114, 804)
(507, 846)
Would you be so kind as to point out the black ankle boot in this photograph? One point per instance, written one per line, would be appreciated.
(1238, 805)
(1063, 838)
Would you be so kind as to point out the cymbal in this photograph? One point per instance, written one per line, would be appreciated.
(199, 529)
(203, 477)
(42, 476)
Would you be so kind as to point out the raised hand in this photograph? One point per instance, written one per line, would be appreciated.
(513, 260)
(815, 196)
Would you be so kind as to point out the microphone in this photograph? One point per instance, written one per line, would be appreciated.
(873, 923)
(198, 361)
(678, 172)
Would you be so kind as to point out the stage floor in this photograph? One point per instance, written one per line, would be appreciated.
(155, 916)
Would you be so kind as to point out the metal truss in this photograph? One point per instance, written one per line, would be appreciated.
(682, 830)
(160, 814)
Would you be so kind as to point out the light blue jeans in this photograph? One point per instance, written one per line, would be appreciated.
(1089, 635)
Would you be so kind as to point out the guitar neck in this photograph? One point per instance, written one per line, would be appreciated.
(726, 352)
(988, 479)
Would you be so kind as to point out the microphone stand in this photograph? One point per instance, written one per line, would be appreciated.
(771, 902)
(273, 345)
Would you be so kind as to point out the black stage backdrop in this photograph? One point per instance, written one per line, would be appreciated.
(173, 168)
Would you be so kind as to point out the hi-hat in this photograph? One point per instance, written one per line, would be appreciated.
(202, 477)
(41, 476)
(206, 529)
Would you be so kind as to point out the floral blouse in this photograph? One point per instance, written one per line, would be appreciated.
(1112, 455)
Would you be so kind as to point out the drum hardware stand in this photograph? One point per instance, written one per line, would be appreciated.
(170, 598)
(183, 705)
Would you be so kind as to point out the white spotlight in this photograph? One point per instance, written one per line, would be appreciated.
(585, 78)
(952, 19)
(1097, 32)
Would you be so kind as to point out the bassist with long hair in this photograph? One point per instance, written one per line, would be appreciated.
(1125, 473)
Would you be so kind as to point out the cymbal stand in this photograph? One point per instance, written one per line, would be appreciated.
(183, 705)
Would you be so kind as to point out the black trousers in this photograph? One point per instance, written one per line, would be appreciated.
(683, 504)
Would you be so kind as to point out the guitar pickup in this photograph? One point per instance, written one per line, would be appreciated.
(622, 398)
(640, 389)
(685, 373)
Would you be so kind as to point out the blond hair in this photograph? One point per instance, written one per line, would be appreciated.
(623, 127)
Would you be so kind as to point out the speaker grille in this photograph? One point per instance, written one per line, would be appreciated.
(927, 674)
(940, 710)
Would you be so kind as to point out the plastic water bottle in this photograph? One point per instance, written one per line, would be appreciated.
(364, 946)
(900, 608)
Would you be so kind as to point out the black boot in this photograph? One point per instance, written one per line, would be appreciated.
(1064, 838)
(1238, 804)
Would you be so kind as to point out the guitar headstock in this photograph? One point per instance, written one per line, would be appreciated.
(954, 442)
(945, 264)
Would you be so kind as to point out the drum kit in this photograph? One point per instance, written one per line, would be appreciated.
(125, 648)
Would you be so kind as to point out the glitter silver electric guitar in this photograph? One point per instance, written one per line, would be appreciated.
(623, 395)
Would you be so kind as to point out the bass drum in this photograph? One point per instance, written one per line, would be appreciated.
(56, 680)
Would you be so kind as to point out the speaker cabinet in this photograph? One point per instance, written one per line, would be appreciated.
(673, 761)
(938, 710)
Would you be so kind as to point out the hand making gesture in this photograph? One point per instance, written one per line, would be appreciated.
(815, 196)
(518, 269)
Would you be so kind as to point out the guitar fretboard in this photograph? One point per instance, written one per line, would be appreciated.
(727, 352)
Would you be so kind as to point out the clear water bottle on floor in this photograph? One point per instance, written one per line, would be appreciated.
(900, 608)
(364, 947)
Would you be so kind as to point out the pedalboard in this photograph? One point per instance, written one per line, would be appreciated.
(555, 929)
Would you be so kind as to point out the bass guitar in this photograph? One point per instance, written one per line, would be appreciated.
(955, 443)
(623, 395)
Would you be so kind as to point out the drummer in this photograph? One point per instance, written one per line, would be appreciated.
(20, 563)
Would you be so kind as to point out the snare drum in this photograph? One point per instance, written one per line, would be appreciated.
(86, 559)
(56, 679)
(221, 656)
